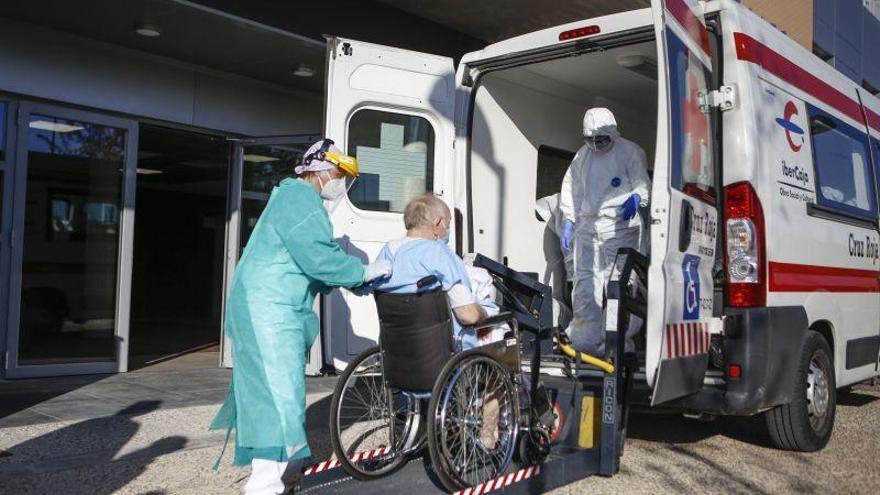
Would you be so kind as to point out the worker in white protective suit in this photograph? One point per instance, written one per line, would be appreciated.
(604, 187)
(559, 262)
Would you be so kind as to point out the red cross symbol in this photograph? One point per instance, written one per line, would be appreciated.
(696, 123)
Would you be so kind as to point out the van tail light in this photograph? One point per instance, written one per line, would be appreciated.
(744, 256)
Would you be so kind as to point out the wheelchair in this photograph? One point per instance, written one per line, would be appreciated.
(474, 410)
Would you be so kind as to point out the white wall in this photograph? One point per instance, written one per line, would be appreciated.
(43, 63)
(510, 123)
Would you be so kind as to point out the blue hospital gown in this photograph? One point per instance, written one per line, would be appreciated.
(413, 259)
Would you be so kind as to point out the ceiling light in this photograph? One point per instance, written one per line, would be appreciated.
(45, 125)
(304, 71)
(639, 64)
(149, 171)
(259, 158)
(148, 30)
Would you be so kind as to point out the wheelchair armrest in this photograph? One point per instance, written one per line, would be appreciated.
(503, 317)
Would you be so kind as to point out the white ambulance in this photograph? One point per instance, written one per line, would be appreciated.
(763, 291)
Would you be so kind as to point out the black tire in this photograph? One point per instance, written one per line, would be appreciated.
(377, 466)
(453, 374)
(805, 424)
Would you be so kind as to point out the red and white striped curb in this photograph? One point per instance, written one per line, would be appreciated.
(332, 462)
(687, 339)
(503, 481)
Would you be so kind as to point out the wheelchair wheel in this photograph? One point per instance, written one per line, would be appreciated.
(473, 421)
(372, 428)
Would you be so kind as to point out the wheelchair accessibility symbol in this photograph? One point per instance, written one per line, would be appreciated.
(690, 269)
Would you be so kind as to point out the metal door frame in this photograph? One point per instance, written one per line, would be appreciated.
(126, 237)
(233, 217)
(6, 207)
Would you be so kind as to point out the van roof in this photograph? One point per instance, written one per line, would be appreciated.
(612, 23)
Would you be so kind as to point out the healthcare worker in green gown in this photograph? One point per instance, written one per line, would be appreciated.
(290, 258)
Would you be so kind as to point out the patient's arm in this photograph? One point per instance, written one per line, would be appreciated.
(464, 305)
(470, 314)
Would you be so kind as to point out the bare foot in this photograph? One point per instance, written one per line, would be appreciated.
(489, 430)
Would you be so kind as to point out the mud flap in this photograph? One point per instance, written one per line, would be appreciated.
(679, 377)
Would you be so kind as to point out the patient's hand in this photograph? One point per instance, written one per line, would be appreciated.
(470, 314)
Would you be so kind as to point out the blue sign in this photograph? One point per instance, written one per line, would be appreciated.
(690, 268)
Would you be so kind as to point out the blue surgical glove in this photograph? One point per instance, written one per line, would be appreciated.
(363, 290)
(567, 233)
(630, 207)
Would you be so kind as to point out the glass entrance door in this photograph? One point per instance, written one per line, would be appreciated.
(71, 261)
(259, 164)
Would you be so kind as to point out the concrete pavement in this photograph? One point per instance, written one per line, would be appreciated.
(143, 446)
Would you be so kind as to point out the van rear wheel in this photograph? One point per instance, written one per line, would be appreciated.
(805, 424)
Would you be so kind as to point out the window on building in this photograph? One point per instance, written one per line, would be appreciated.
(843, 165)
(552, 165)
(395, 155)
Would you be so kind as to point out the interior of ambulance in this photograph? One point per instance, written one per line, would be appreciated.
(526, 128)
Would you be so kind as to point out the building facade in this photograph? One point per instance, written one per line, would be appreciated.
(844, 33)
(139, 142)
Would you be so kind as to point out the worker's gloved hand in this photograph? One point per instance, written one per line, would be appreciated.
(630, 207)
(362, 290)
(567, 234)
(377, 269)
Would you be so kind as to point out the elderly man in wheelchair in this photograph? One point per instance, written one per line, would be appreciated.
(446, 373)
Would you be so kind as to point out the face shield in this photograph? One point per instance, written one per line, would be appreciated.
(599, 142)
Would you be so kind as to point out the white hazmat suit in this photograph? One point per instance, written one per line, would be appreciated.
(601, 189)
(560, 262)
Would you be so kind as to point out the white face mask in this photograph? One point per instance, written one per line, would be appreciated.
(333, 189)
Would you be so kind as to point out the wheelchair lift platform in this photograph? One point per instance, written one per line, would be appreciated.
(594, 407)
(418, 478)
(567, 462)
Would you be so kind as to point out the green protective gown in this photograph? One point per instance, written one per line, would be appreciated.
(290, 258)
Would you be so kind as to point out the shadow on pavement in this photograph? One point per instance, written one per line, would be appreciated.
(676, 429)
(45, 464)
(18, 395)
(318, 428)
(854, 397)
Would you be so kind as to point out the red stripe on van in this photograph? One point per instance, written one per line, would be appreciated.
(790, 277)
(690, 22)
(752, 50)
(873, 119)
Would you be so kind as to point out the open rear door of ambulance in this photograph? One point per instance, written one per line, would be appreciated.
(392, 109)
(684, 217)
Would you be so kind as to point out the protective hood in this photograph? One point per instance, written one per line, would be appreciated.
(600, 122)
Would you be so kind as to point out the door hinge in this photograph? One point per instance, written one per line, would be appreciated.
(723, 98)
